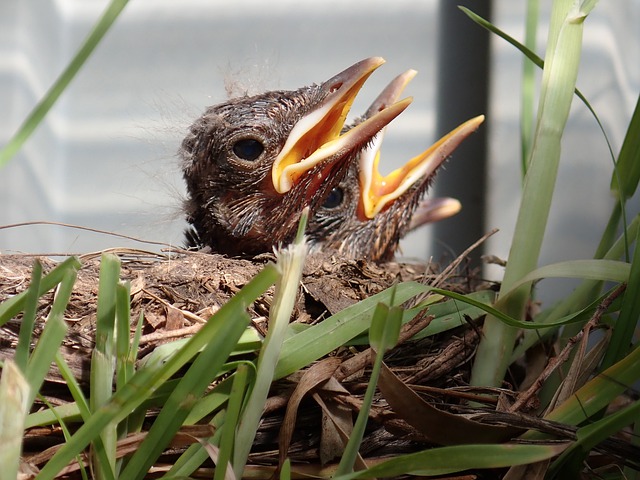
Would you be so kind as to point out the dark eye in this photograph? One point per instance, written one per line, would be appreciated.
(248, 149)
(334, 199)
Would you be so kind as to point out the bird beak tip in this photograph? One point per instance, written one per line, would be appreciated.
(378, 191)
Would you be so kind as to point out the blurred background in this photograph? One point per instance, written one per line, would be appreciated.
(105, 157)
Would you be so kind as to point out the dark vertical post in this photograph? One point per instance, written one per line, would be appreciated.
(463, 86)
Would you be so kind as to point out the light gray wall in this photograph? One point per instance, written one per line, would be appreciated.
(106, 156)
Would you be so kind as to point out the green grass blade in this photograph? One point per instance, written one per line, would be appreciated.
(627, 168)
(579, 298)
(210, 403)
(596, 394)
(124, 357)
(350, 454)
(446, 460)
(537, 61)
(627, 321)
(317, 341)
(195, 455)
(14, 406)
(558, 84)
(527, 114)
(629, 159)
(285, 472)
(52, 335)
(448, 315)
(103, 361)
(611, 232)
(571, 462)
(573, 317)
(50, 98)
(11, 307)
(135, 346)
(81, 402)
(385, 326)
(453, 313)
(227, 439)
(146, 381)
(69, 411)
(290, 263)
(617, 250)
(599, 269)
(67, 434)
(384, 332)
(134, 422)
(29, 318)
(629, 153)
(249, 342)
(206, 367)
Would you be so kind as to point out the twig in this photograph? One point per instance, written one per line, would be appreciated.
(79, 227)
(562, 357)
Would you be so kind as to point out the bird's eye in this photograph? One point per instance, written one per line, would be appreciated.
(248, 149)
(334, 199)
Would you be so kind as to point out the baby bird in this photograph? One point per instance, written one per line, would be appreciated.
(367, 214)
(252, 164)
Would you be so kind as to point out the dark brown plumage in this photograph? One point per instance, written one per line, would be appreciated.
(252, 164)
(366, 214)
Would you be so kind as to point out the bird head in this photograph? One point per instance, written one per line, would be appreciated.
(367, 214)
(252, 164)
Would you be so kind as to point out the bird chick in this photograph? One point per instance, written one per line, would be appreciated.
(367, 214)
(252, 164)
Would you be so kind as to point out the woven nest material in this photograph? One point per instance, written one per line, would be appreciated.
(178, 292)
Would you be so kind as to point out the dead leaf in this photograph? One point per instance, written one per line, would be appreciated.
(314, 376)
(438, 426)
(337, 421)
(175, 318)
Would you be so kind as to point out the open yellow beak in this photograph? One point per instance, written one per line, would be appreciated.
(378, 191)
(316, 137)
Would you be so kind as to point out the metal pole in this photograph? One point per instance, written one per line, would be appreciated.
(463, 86)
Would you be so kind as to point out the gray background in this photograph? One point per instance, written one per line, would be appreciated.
(105, 157)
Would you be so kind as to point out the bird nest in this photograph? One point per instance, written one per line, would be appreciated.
(177, 291)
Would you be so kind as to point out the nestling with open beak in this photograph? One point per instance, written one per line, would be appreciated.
(367, 214)
(252, 164)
